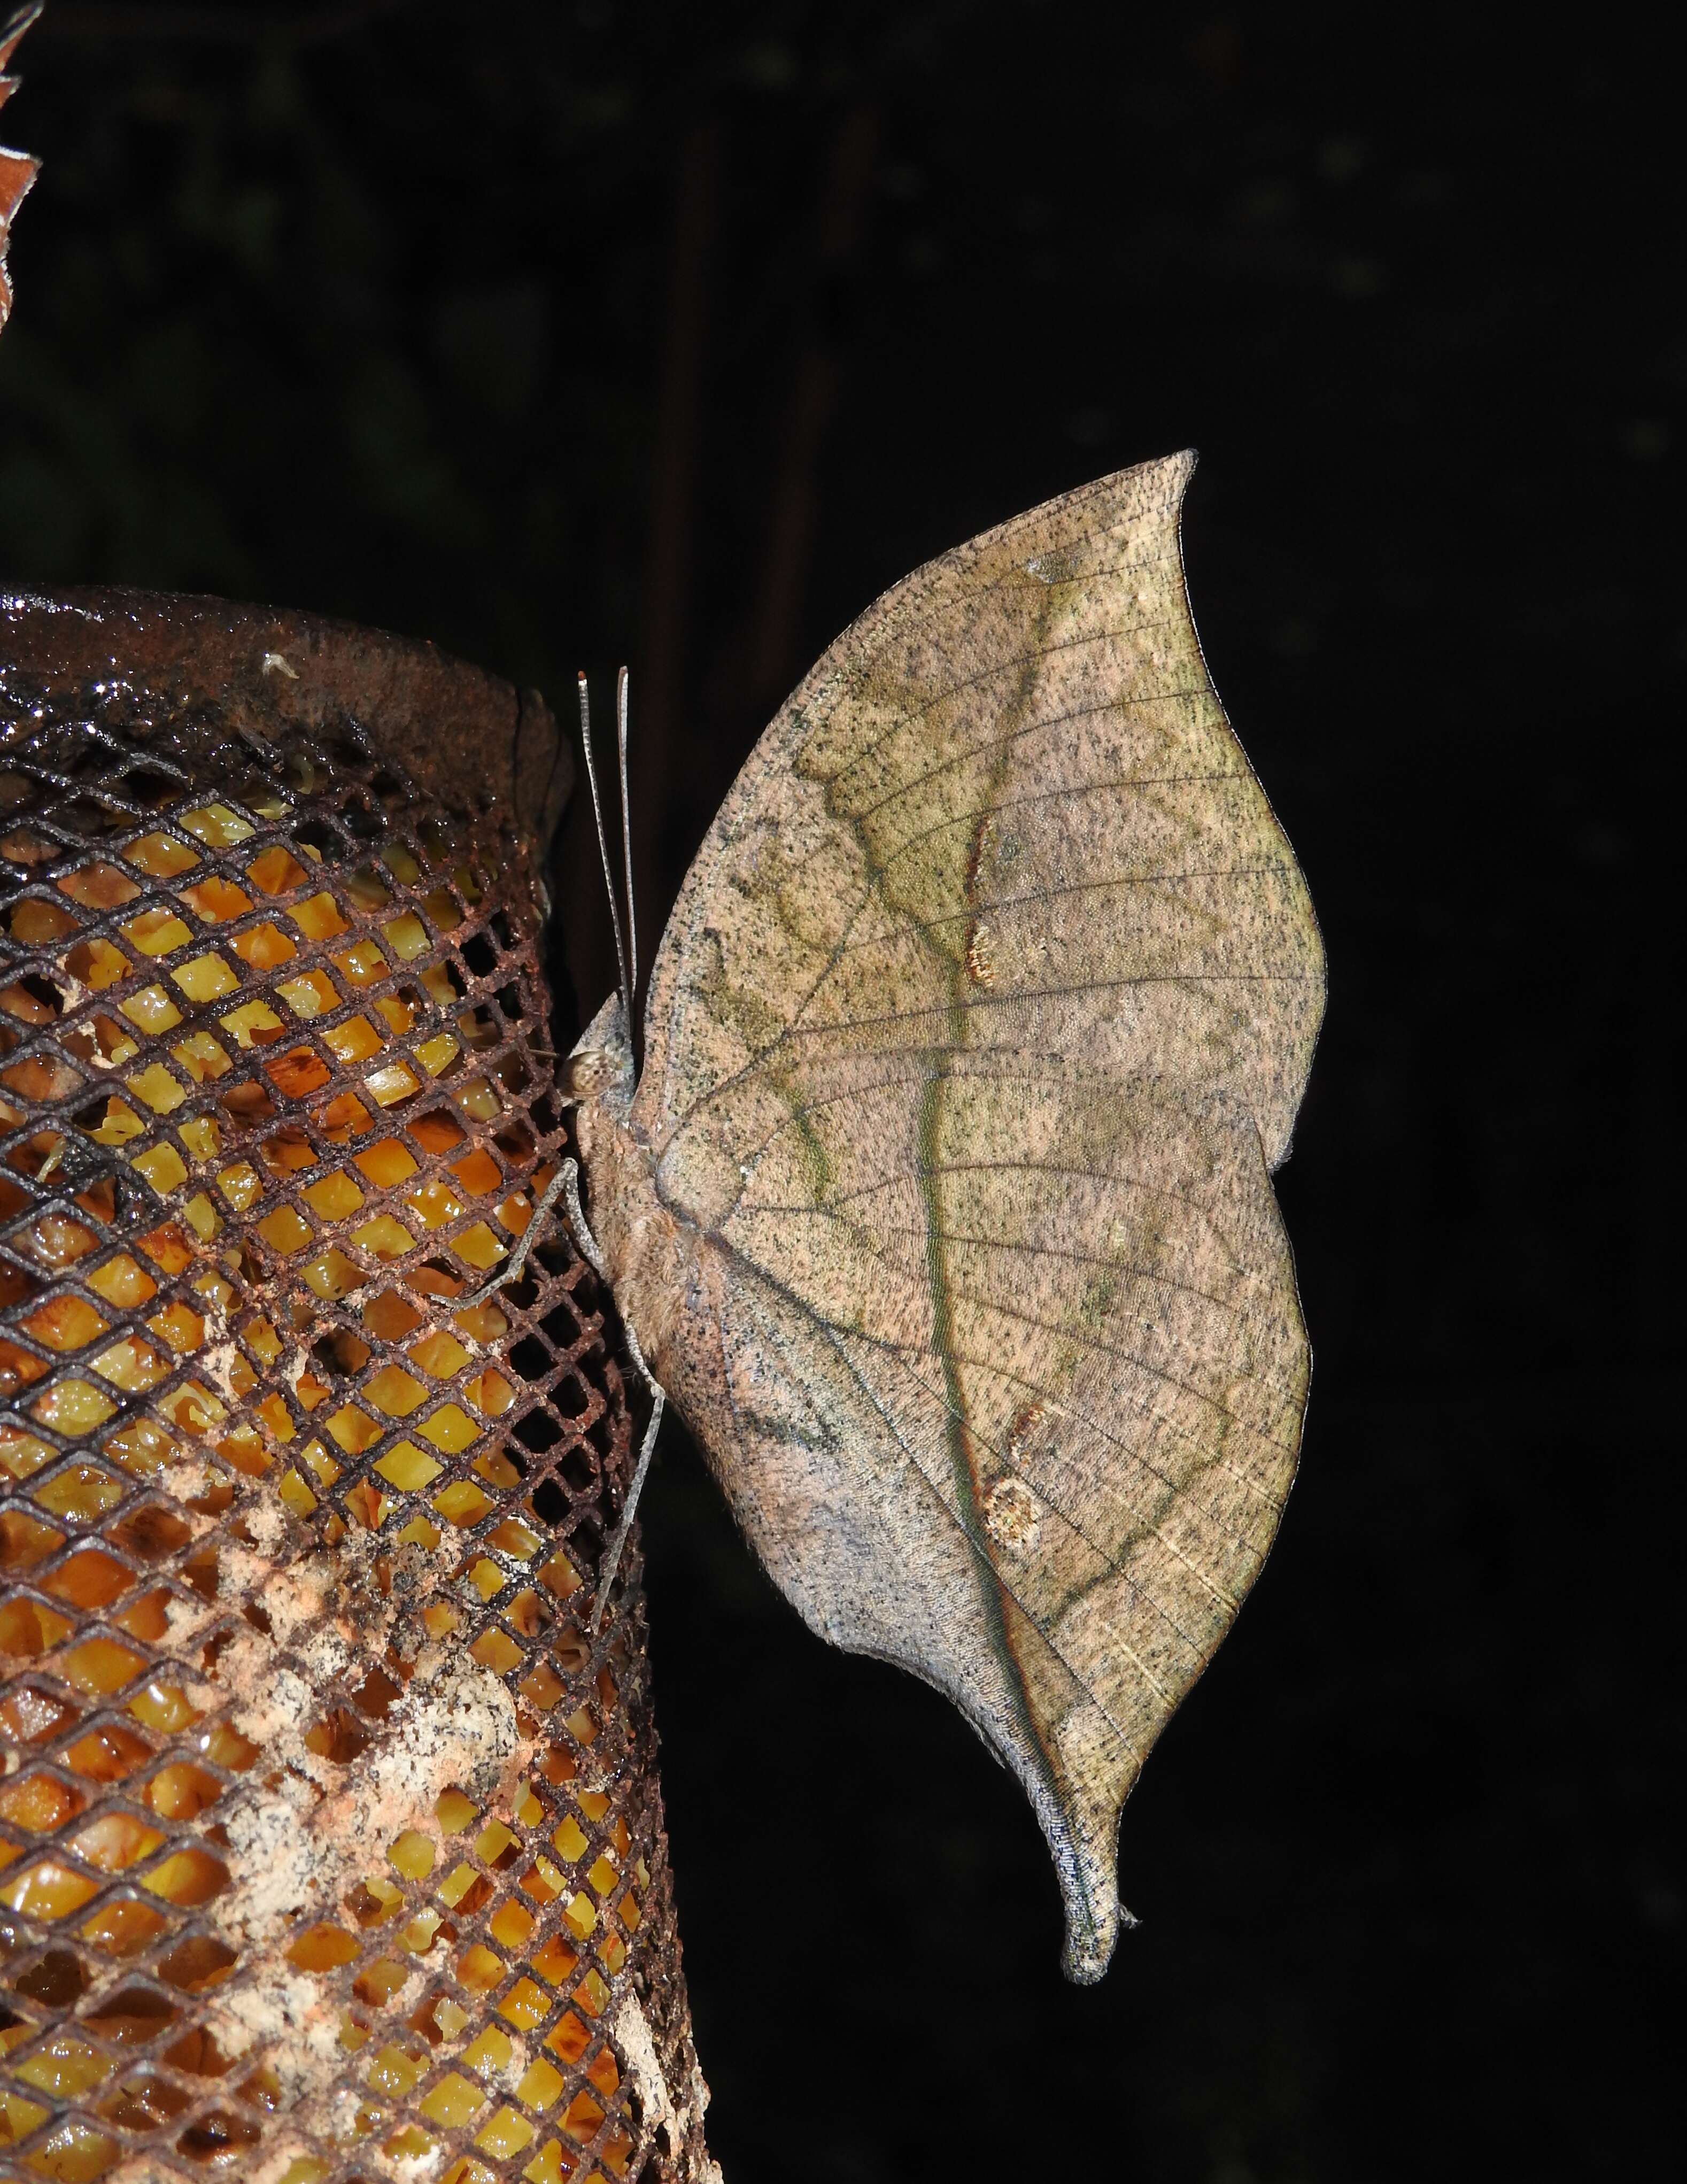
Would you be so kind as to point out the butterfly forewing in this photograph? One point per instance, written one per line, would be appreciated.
(984, 1013)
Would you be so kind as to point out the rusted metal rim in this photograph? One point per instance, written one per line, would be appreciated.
(473, 741)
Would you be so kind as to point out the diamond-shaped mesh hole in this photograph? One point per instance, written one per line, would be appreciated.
(330, 1838)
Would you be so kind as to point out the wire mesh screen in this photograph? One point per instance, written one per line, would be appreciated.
(331, 1840)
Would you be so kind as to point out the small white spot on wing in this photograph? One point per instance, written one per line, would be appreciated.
(1012, 1515)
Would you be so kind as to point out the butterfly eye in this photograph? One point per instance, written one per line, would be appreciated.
(590, 1072)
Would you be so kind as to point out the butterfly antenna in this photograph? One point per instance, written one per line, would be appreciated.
(604, 851)
(626, 846)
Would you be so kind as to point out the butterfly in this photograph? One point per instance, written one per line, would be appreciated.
(941, 1205)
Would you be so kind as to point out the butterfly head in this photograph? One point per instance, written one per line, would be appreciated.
(600, 1068)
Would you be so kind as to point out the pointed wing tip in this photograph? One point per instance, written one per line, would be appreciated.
(1180, 469)
(1176, 468)
(1155, 486)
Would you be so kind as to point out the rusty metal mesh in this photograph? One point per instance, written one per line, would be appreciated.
(330, 1843)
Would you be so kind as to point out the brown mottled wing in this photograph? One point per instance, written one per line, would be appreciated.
(17, 170)
(982, 1016)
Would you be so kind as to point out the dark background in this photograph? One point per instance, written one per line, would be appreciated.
(565, 333)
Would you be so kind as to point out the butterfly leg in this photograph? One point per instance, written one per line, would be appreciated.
(562, 1183)
(659, 1401)
(568, 1179)
(565, 1184)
